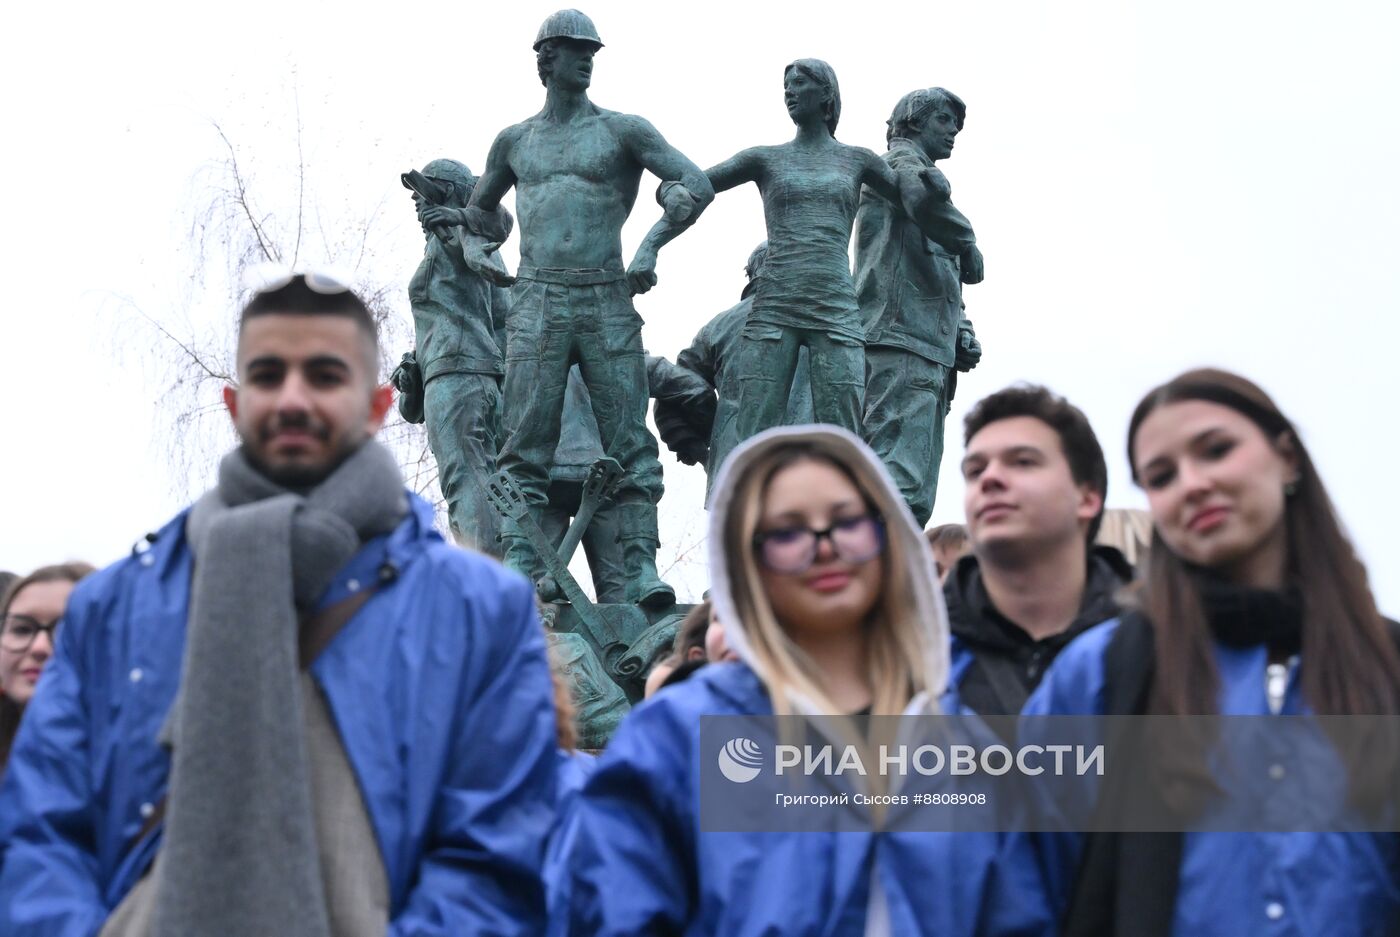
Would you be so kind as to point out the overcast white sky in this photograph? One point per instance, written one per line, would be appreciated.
(1154, 185)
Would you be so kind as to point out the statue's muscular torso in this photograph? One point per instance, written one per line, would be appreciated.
(575, 184)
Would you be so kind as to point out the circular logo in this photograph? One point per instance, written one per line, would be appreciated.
(740, 760)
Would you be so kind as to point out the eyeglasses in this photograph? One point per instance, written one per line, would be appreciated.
(271, 276)
(20, 631)
(794, 549)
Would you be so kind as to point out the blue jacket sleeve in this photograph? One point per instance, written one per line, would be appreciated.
(49, 874)
(632, 834)
(574, 769)
(1074, 683)
(1073, 686)
(1016, 903)
(494, 807)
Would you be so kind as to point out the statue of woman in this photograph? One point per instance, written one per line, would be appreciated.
(811, 188)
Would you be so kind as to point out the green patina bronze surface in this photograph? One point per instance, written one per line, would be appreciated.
(548, 383)
(909, 288)
(806, 298)
(703, 428)
(457, 316)
(604, 685)
(576, 169)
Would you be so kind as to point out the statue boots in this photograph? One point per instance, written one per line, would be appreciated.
(637, 531)
(520, 554)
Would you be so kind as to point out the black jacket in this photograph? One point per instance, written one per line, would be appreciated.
(1008, 663)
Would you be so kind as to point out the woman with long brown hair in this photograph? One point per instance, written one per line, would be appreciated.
(829, 600)
(30, 610)
(1253, 603)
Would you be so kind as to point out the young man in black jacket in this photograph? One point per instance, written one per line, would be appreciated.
(1035, 484)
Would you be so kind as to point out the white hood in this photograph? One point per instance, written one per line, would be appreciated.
(930, 615)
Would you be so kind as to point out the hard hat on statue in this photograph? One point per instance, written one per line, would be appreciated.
(568, 24)
(449, 170)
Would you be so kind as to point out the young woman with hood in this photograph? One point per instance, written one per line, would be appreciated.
(830, 602)
(1254, 603)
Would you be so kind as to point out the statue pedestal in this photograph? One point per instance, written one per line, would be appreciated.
(605, 653)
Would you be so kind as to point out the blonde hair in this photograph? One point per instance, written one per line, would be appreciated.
(895, 641)
(565, 714)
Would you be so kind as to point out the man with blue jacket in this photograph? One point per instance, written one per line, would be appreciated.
(297, 710)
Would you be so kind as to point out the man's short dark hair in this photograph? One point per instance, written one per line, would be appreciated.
(298, 299)
(691, 632)
(947, 536)
(1077, 439)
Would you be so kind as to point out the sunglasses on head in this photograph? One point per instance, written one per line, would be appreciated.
(271, 276)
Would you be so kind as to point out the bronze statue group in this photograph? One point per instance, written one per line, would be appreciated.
(876, 350)
(296, 709)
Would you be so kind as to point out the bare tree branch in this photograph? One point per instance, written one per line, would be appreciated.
(683, 556)
(301, 173)
(199, 358)
(265, 245)
(364, 233)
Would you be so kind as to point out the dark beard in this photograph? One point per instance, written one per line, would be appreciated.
(300, 479)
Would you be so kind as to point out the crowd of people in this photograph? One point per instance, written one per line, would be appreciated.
(298, 710)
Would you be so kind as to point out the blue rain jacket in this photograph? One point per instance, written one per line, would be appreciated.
(440, 687)
(640, 864)
(574, 769)
(1268, 884)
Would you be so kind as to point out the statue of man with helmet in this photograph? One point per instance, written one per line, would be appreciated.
(458, 316)
(576, 169)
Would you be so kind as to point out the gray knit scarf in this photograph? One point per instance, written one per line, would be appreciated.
(239, 853)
